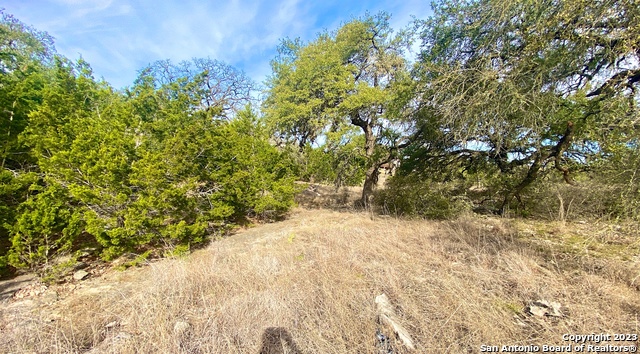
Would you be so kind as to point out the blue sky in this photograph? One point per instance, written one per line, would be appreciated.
(119, 37)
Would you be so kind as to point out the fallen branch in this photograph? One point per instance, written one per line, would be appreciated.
(388, 315)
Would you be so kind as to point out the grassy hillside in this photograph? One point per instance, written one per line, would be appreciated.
(308, 284)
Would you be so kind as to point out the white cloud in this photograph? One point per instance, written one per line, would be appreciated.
(118, 37)
(84, 7)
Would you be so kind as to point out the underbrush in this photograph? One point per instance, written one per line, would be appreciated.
(409, 196)
(550, 199)
(587, 199)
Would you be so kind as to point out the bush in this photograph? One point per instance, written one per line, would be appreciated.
(605, 188)
(411, 196)
(45, 226)
(589, 198)
(342, 165)
(140, 171)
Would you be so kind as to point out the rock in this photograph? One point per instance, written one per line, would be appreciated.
(181, 327)
(50, 297)
(80, 265)
(86, 252)
(543, 308)
(30, 290)
(81, 274)
(111, 324)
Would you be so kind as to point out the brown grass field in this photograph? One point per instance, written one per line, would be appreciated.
(308, 284)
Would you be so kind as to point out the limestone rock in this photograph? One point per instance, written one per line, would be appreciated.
(81, 274)
(543, 308)
(181, 327)
(50, 296)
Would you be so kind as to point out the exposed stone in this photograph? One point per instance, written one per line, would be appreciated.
(81, 274)
(33, 289)
(50, 296)
(86, 252)
(181, 327)
(543, 308)
(112, 324)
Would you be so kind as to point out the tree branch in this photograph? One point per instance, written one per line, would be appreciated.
(631, 76)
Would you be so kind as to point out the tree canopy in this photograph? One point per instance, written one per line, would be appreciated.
(341, 81)
(214, 85)
(525, 85)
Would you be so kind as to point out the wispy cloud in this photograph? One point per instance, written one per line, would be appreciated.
(81, 8)
(119, 37)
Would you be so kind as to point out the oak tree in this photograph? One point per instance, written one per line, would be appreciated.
(527, 86)
(343, 82)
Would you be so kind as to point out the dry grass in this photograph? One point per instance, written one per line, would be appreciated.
(328, 197)
(307, 285)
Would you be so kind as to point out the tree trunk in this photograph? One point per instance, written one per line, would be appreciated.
(532, 175)
(371, 176)
(373, 171)
(370, 181)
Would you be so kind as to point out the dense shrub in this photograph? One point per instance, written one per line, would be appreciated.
(46, 224)
(339, 165)
(410, 196)
(609, 191)
(140, 170)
